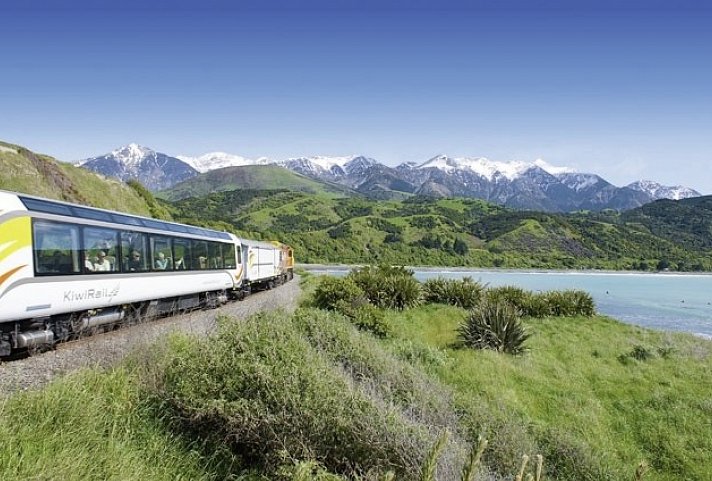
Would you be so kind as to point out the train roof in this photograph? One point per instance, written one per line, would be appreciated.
(260, 244)
(47, 206)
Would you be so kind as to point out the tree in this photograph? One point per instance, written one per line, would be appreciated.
(460, 247)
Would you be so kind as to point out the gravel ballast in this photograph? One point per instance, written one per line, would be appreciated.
(106, 349)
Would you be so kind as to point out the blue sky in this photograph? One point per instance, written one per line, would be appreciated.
(622, 89)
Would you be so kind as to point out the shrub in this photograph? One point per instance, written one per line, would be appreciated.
(388, 286)
(366, 317)
(570, 303)
(516, 296)
(551, 303)
(400, 292)
(496, 326)
(341, 231)
(464, 293)
(332, 293)
(306, 386)
(639, 353)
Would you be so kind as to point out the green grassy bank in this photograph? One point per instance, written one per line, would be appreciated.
(591, 392)
(309, 396)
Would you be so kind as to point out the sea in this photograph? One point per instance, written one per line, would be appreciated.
(666, 301)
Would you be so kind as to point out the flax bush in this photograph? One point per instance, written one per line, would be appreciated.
(570, 303)
(516, 296)
(496, 326)
(388, 287)
(464, 293)
(567, 303)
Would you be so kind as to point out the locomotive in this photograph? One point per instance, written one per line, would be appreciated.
(67, 270)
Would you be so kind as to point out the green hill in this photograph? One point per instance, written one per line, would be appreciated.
(452, 232)
(36, 174)
(253, 177)
(687, 220)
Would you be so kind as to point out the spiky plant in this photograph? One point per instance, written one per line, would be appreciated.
(464, 293)
(400, 292)
(494, 325)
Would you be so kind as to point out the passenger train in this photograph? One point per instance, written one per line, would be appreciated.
(67, 269)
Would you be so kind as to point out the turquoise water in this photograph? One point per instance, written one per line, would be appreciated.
(677, 302)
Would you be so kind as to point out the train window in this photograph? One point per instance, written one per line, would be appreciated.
(125, 219)
(100, 250)
(215, 260)
(196, 230)
(181, 254)
(91, 214)
(228, 251)
(46, 206)
(56, 248)
(162, 253)
(133, 251)
(177, 228)
(200, 254)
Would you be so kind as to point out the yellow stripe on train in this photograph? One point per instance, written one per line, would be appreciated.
(15, 234)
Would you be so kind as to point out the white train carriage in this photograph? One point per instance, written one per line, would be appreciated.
(66, 269)
(262, 264)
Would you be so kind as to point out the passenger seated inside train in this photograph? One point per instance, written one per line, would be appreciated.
(134, 262)
(162, 262)
(102, 264)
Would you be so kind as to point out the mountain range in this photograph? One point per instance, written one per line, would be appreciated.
(339, 226)
(524, 185)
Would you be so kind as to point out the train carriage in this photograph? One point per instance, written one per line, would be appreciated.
(262, 262)
(66, 269)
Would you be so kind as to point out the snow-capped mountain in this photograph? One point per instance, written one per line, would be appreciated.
(528, 185)
(535, 185)
(219, 160)
(489, 169)
(330, 168)
(657, 191)
(153, 169)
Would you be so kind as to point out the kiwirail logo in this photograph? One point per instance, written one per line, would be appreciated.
(87, 294)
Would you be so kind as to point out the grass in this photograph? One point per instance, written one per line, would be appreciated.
(307, 396)
(581, 392)
(43, 176)
(94, 425)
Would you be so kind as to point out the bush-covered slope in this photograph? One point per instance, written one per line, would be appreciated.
(459, 232)
(36, 174)
(687, 220)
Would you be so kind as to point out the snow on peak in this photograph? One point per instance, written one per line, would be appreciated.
(131, 154)
(578, 181)
(490, 169)
(218, 160)
(552, 169)
(325, 162)
(659, 191)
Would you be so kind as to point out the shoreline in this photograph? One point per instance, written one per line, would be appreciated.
(627, 301)
(503, 270)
